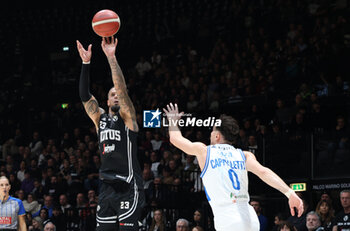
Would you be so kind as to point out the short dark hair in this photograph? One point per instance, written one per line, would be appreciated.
(285, 223)
(229, 128)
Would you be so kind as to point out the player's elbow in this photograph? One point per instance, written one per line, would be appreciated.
(263, 172)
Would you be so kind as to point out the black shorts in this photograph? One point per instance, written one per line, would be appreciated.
(120, 205)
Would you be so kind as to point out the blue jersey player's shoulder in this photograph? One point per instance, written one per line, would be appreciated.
(21, 210)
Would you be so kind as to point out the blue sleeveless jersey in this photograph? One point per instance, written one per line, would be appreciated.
(225, 176)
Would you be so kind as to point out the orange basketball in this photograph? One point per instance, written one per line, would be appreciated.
(106, 23)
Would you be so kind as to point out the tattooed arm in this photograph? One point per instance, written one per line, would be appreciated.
(93, 110)
(89, 101)
(127, 110)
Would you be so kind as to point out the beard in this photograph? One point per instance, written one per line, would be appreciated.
(115, 108)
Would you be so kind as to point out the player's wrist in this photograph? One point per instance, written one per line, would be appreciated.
(289, 193)
(86, 62)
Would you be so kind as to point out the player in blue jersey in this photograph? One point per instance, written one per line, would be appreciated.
(224, 174)
(12, 213)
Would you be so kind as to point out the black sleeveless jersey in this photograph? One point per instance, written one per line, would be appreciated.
(118, 147)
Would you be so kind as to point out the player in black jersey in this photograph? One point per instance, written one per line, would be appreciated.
(121, 195)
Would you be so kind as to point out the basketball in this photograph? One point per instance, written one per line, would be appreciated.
(106, 23)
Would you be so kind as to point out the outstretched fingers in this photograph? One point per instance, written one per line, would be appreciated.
(169, 107)
(79, 46)
(300, 210)
(292, 212)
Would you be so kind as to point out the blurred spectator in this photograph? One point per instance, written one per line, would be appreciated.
(155, 163)
(49, 226)
(11, 164)
(198, 218)
(156, 142)
(91, 218)
(20, 195)
(252, 144)
(317, 118)
(283, 114)
(166, 157)
(215, 103)
(73, 220)
(278, 219)
(143, 66)
(66, 141)
(325, 196)
(298, 127)
(192, 103)
(197, 228)
(45, 179)
(339, 135)
(63, 201)
(92, 198)
(34, 169)
(341, 221)
(313, 222)
(182, 225)
(31, 205)
(55, 188)
(15, 184)
(36, 144)
(262, 219)
(286, 226)
(47, 208)
(325, 210)
(29, 219)
(43, 156)
(156, 191)
(242, 141)
(189, 165)
(58, 218)
(9, 148)
(44, 215)
(37, 224)
(38, 190)
(167, 176)
(28, 183)
(81, 206)
(20, 172)
(146, 142)
(158, 221)
(175, 170)
(92, 174)
(147, 176)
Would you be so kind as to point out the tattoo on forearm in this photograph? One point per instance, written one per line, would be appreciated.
(92, 107)
(120, 85)
(117, 74)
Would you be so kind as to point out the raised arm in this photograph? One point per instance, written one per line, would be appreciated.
(272, 179)
(89, 101)
(127, 110)
(197, 149)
